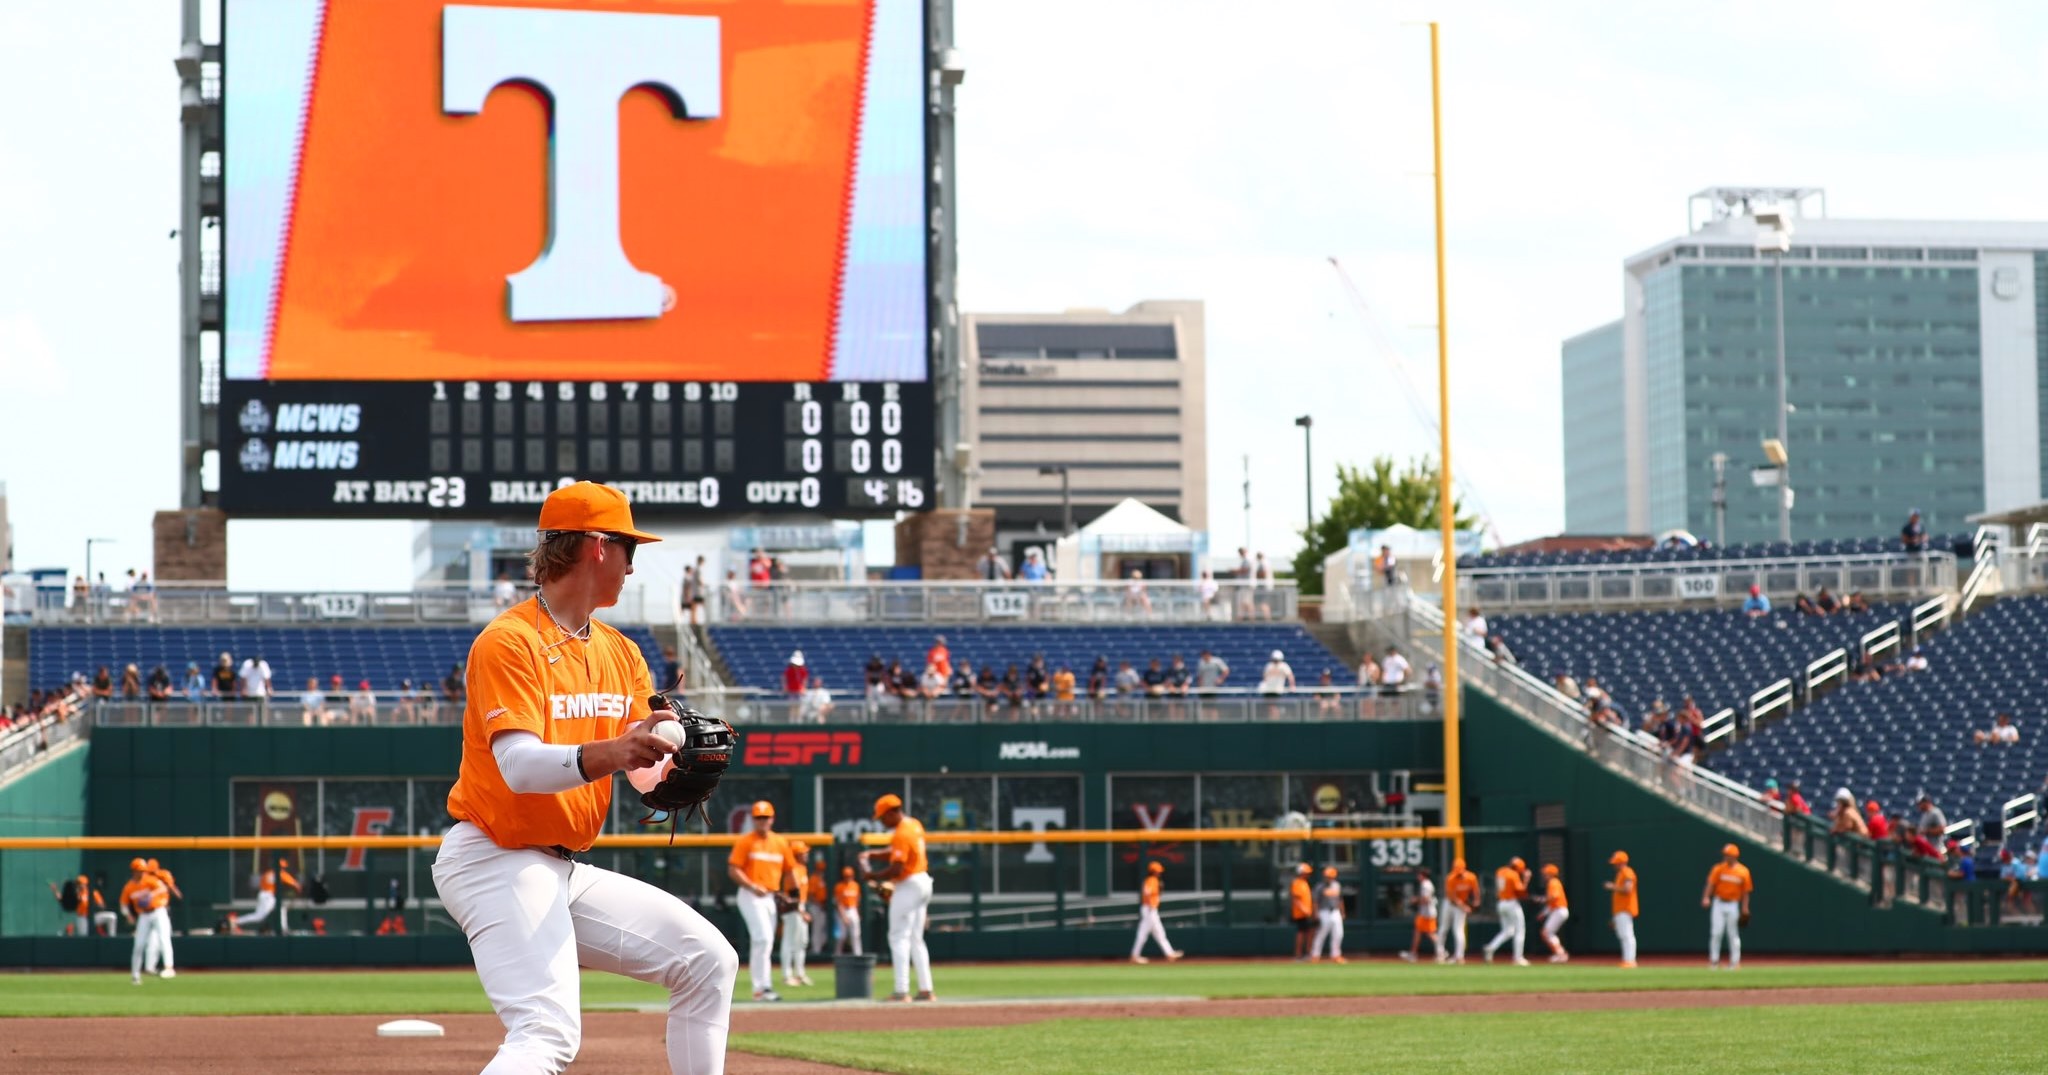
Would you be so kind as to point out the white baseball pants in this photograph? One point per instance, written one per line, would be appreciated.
(1150, 926)
(533, 918)
(757, 910)
(796, 944)
(1450, 930)
(907, 910)
(266, 902)
(820, 927)
(84, 926)
(1514, 926)
(159, 949)
(1554, 921)
(1329, 928)
(1724, 917)
(1625, 928)
(145, 929)
(849, 930)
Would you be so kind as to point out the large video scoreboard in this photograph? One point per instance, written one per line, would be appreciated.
(474, 251)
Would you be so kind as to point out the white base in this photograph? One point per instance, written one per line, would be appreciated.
(409, 1028)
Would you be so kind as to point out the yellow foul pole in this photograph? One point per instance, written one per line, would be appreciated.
(1454, 813)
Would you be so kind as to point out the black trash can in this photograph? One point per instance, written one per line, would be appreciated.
(854, 977)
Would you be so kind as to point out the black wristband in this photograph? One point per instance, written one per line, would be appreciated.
(580, 771)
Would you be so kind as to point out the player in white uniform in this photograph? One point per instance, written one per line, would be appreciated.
(1511, 884)
(1424, 903)
(556, 703)
(908, 869)
(1329, 918)
(160, 941)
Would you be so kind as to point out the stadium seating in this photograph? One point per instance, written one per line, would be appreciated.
(756, 655)
(1959, 543)
(1719, 656)
(382, 655)
(1892, 739)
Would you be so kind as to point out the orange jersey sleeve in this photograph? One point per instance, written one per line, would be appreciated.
(761, 858)
(906, 847)
(816, 892)
(145, 895)
(1148, 893)
(799, 877)
(1463, 886)
(1553, 896)
(1302, 901)
(1730, 883)
(847, 893)
(1509, 882)
(1625, 894)
(523, 676)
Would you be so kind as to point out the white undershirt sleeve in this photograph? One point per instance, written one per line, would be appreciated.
(531, 767)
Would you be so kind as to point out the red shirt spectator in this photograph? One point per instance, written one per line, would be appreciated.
(760, 572)
(795, 677)
(1921, 846)
(1795, 802)
(939, 656)
(1880, 826)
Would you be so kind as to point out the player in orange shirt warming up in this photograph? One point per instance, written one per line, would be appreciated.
(1626, 905)
(556, 703)
(909, 871)
(1727, 901)
(1461, 898)
(796, 921)
(1555, 911)
(1511, 884)
(142, 901)
(160, 944)
(760, 865)
(1329, 918)
(846, 905)
(1301, 906)
(1149, 924)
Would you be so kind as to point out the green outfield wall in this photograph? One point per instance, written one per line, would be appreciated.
(49, 800)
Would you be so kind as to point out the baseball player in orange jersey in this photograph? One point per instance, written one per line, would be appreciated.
(83, 899)
(1461, 898)
(1149, 925)
(141, 900)
(817, 899)
(796, 922)
(1555, 911)
(1301, 907)
(266, 897)
(1626, 905)
(1727, 901)
(1511, 884)
(909, 869)
(160, 942)
(1329, 918)
(556, 703)
(760, 865)
(846, 905)
(1424, 902)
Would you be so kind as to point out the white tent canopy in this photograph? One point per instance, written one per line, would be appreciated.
(1129, 527)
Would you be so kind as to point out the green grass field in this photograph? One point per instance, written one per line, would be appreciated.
(1956, 1039)
(425, 992)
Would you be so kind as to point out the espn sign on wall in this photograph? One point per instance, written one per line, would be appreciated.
(605, 190)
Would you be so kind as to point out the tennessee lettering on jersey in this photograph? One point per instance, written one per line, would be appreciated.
(1625, 895)
(578, 706)
(847, 893)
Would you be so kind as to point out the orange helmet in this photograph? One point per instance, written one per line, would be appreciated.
(1549, 869)
(1732, 851)
(764, 808)
(1517, 863)
(1304, 869)
(1155, 868)
(1619, 858)
(137, 865)
(799, 848)
(1330, 872)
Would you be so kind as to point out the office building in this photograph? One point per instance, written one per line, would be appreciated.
(1117, 399)
(1913, 359)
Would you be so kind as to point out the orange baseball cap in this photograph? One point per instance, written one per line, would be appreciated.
(1550, 869)
(137, 865)
(1619, 858)
(846, 872)
(887, 803)
(1457, 864)
(1517, 863)
(799, 848)
(1330, 871)
(1155, 868)
(764, 808)
(1304, 869)
(149, 863)
(1732, 851)
(588, 506)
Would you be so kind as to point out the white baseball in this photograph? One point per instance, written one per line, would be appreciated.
(669, 730)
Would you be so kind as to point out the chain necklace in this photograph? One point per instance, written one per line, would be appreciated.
(582, 635)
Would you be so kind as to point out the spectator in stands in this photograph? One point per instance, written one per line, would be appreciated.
(816, 703)
(1242, 592)
(2002, 732)
(686, 597)
(932, 683)
(1327, 701)
(671, 670)
(1211, 672)
(159, 684)
(1206, 591)
(1277, 677)
(408, 709)
(961, 682)
(337, 698)
(1845, 818)
(1804, 605)
(940, 655)
(1037, 681)
(195, 683)
(1034, 568)
(1879, 826)
(1012, 688)
(1932, 821)
(1498, 646)
(1475, 625)
(875, 678)
(1566, 685)
(903, 684)
(1178, 677)
(131, 683)
(81, 597)
(452, 686)
(1772, 797)
(1394, 670)
(759, 571)
(503, 593)
(362, 705)
(1136, 600)
(1795, 803)
(1756, 605)
(1368, 670)
(1916, 661)
(1825, 601)
(2015, 873)
(1855, 602)
(991, 568)
(1128, 682)
(1913, 535)
(103, 684)
(1961, 867)
(253, 681)
(1262, 586)
(1862, 669)
(735, 597)
(1432, 687)
(1154, 679)
(223, 682)
(1098, 679)
(1657, 720)
(1385, 566)
(1063, 691)
(313, 703)
(141, 596)
(794, 675)
(1594, 694)
(988, 688)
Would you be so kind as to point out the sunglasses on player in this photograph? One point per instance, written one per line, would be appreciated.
(623, 542)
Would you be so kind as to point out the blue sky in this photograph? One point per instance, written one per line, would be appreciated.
(1116, 151)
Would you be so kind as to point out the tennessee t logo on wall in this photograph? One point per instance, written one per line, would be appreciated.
(584, 61)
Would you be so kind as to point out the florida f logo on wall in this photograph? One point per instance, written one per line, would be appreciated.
(584, 62)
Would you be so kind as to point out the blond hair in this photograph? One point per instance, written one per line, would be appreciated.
(555, 555)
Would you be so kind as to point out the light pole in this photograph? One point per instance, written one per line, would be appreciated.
(1066, 497)
(1720, 499)
(1308, 470)
(92, 586)
(1778, 241)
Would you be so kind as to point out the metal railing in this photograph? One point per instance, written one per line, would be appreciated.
(278, 711)
(1929, 616)
(1984, 569)
(213, 604)
(1631, 753)
(28, 743)
(1702, 583)
(1108, 601)
(2024, 569)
